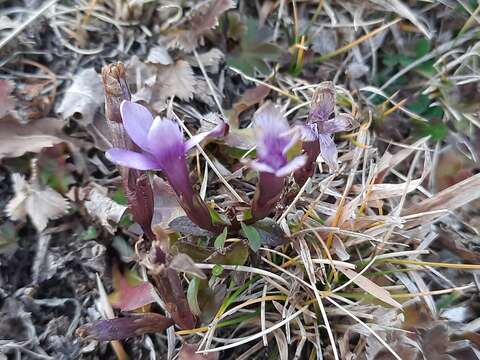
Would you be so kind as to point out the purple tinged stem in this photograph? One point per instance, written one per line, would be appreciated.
(194, 206)
(312, 150)
(267, 194)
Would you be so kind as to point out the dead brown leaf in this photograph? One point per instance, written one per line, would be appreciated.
(449, 199)
(104, 209)
(41, 204)
(197, 23)
(17, 139)
(83, 98)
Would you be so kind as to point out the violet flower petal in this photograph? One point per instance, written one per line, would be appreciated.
(328, 150)
(132, 159)
(307, 132)
(219, 130)
(270, 118)
(272, 135)
(261, 167)
(292, 166)
(341, 122)
(137, 121)
(323, 102)
(165, 140)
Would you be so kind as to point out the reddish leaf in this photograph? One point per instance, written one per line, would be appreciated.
(130, 292)
(125, 327)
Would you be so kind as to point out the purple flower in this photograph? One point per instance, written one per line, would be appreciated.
(162, 147)
(274, 140)
(317, 134)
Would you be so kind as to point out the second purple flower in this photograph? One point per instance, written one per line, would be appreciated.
(318, 133)
(274, 140)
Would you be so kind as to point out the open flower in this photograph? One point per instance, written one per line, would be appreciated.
(274, 140)
(317, 134)
(162, 147)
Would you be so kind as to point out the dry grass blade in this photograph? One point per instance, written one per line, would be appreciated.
(371, 288)
(259, 334)
(449, 199)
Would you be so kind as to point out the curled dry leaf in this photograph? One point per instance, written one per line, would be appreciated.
(159, 55)
(184, 263)
(104, 209)
(200, 20)
(161, 81)
(250, 97)
(17, 139)
(39, 203)
(83, 98)
(210, 60)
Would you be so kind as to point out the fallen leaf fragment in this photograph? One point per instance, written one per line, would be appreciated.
(40, 203)
(104, 209)
(156, 82)
(451, 198)
(83, 98)
(176, 80)
(201, 19)
(17, 139)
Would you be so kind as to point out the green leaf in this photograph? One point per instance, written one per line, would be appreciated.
(220, 240)
(254, 239)
(270, 232)
(192, 297)
(254, 50)
(217, 270)
(90, 233)
(420, 105)
(218, 219)
(438, 131)
(119, 197)
(235, 254)
(422, 47)
(434, 113)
